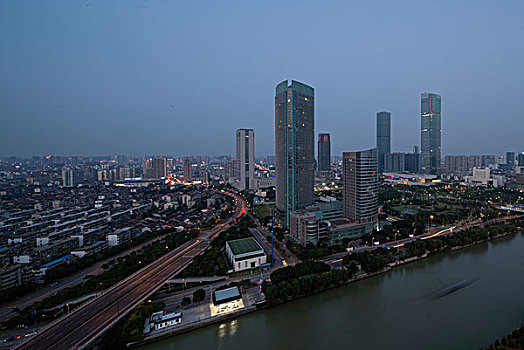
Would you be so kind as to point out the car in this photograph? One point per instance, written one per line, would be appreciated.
(30, 334)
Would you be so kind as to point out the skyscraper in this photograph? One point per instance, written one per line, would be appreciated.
(294, 147)
(188, 176)
(360, 180)
(430, 133)
(246, 157)
(383, 137)
(510, 159)
(324, 152)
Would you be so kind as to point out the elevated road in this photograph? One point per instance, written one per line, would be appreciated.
(85, 324)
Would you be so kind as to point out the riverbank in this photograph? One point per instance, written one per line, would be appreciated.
(192, 326)
(354, 279)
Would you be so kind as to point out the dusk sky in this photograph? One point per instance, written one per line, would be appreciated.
(179, 77)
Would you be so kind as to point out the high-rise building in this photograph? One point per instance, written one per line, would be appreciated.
(394, 162)
(70, 177)
(383, 137)
(520, 159)
(187, 170)
(324, 152)
(461, 165)
(155, 168)
(294, 147)
(160, 167)
(246, 157)
(510, 159)
(430, 133)
(360, 180)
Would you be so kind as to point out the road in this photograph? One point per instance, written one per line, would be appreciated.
(85, 324)
(336, 259)
(6, 310)
(266, 245)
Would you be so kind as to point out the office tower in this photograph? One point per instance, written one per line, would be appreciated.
(294, 147)
(430, 133)
(383, 137)
(360, 179)
(510, 159)
(187, 170)
(520, 159)
(246, 158)
(324, 152)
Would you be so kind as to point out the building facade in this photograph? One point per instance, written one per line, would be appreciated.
(430, 133)
(294, 147)
(360, 179)
(520, 159)
(155, 168)
(324, 152)
(245, 253)
(383, 137)
(510, 159)
(188, 172)
(245, 140)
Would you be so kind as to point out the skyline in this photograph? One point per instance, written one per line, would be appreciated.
(158, 82)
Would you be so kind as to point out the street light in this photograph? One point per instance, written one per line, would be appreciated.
(67, 308)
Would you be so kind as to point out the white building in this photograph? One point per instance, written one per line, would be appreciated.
(482, 177)
(159, 320)
(245, 254)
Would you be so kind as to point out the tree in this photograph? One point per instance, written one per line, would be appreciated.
(186, 301)
(199, 295)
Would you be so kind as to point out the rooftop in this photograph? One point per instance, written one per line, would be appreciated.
(244, 245)
(225, 295)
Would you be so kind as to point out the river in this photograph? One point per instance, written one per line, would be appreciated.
(402, 309)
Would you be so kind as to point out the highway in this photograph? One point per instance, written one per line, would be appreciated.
(85, 324)
(6, 310)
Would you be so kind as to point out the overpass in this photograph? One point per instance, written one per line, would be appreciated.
(87, 323)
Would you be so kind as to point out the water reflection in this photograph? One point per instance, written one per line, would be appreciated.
(227, 329)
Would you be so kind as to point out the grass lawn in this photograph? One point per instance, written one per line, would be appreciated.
(263, 210)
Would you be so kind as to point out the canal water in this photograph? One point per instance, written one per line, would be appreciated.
(411, 307)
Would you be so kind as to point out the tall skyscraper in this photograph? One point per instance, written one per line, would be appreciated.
(360, 180)
(188, 176)
(246, 157)
(430, 133)
(294, 147)
(324, 152)
(383, 137)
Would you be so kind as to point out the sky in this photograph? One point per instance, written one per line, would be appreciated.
(179, 77)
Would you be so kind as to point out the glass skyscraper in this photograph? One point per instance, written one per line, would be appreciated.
(383, 137)
(324, 152)
(430, 133)
(294, 147)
